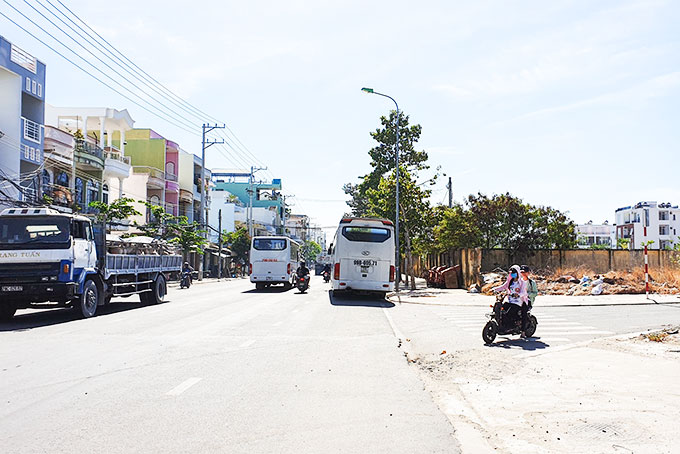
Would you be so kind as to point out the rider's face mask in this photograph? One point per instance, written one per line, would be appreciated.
(513, 275)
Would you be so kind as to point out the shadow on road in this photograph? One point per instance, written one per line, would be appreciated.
(359, 301)
(531, 344)
(277, 289)
(57, 316)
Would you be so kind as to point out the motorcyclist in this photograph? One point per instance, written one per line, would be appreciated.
(518, 298)
(302, 270)
(186, 268)
(326, 269)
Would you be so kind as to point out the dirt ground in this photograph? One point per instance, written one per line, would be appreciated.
(603, 396)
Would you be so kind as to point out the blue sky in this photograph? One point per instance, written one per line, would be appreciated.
(572, 104)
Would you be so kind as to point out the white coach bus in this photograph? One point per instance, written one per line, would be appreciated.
(273, 260)
(363, 255)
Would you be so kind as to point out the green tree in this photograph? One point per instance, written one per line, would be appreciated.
(623, 243)
(118, 210)
(238, 242)
(310, 250)
(187, 235)
(156, 227)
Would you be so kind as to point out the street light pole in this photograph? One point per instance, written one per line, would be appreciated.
(396, 229)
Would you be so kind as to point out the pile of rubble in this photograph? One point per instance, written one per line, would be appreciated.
(580, 282)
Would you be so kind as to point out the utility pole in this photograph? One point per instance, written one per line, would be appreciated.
(219, 241)
(251, 229)
(204, 186)
(450, 188)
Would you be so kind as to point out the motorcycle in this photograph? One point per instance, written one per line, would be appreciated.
(502, 322)
(326, 276)
(303, 283)
(185, 281)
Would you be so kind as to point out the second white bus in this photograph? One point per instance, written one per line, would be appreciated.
(363, 253)
(273, 260)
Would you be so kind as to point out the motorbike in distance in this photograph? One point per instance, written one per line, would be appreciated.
(303, 283)
(326, 276)
(502, 322)
(185, 279)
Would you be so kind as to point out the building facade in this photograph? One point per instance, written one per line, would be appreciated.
(22, 91)
(595, 235)
(661, 219)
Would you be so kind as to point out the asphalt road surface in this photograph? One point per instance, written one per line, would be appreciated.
(219, 367)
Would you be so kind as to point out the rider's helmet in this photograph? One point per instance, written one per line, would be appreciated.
(186, 263)
(525, 269)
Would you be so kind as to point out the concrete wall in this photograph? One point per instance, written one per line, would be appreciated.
(10, 125)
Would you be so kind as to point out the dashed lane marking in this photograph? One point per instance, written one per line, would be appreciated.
(186, 384)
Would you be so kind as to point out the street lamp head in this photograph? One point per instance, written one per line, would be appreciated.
(367, 90)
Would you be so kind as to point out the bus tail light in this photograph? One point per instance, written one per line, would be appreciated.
(391, 273)
(288, 269)
(250, 268)
(336, 271)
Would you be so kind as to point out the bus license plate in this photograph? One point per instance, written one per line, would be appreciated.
(12, 288)
(363, 263)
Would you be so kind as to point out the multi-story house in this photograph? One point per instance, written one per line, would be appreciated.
(231, 193)
(22, 114)
(155, 166)
(85, 152)
(661, 219)
(595, 235)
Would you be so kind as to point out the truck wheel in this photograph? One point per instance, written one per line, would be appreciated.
(158, 291)
(86, 304)
(7, 311)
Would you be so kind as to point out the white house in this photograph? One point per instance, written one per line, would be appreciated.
(661, 219)
(589, 235)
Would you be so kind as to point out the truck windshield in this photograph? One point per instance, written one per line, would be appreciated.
(266, 244)
(34, 229)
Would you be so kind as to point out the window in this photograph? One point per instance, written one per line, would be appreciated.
(266, 244)
(62, 179)
(46, 182)
(79, 191)
(40, 90)
(366, 234)
(105, 193)
(33, 229)
(664, 230)
(28, 84)
(35, 87)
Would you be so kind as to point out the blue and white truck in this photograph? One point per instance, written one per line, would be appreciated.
(49, 259)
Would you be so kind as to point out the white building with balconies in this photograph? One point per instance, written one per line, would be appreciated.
(661, 219)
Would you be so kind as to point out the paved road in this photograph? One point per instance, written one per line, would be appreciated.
(434, 328)
(217, 368)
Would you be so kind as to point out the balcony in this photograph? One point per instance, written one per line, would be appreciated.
(170, 177)
(90, 156)
(156, 176)
(116, 166)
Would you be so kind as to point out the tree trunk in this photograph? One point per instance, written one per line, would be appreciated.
(409, 256)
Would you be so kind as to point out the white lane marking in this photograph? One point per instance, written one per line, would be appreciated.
(186, 384)
(247, 343)
(397, 333)
(278, 323)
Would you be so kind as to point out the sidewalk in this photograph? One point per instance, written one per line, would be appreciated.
(207, 280)
(460, 297)
(612, 395)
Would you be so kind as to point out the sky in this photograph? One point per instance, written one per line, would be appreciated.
(571, 104)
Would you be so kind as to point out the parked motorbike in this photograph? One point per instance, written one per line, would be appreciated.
(326, 276)
(503, 322)
(303, 283)
(185, 280)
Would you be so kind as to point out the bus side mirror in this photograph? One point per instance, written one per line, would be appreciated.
(330, 249)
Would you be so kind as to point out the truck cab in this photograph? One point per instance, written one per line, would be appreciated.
(45, 256)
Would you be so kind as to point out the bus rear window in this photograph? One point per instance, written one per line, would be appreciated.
(264, 244)
(366, 234)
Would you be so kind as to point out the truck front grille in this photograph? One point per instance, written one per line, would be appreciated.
(25, 273)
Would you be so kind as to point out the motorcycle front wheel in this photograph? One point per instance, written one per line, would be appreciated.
(489, 332)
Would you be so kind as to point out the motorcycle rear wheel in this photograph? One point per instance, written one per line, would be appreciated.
(531, 329)
(489, 332)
